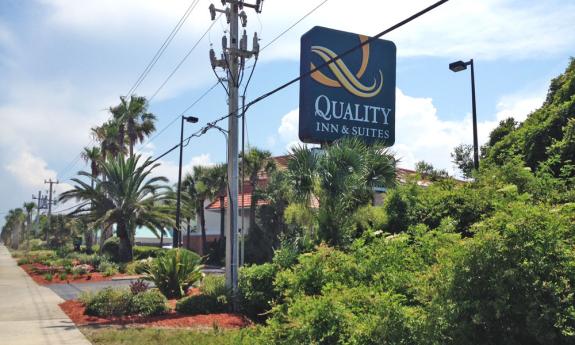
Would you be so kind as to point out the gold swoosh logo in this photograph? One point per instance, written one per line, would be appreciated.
(345, 78)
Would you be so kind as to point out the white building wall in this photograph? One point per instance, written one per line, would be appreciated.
(213, 221)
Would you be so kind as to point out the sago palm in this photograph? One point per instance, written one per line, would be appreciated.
(125, 195)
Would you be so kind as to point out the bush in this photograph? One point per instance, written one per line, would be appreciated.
(63, 276)
(513, 283)
(148, 303)
(201, 304)
(111, 248)
(256, 289)
(144, 252)
(315, 270)
(108, 302)
(174, 272)
(214, 285)
(48, 277)
(108, 268)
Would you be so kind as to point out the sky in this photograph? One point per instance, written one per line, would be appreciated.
(63, 63)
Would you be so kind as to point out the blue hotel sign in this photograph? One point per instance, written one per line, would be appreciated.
(354, 96)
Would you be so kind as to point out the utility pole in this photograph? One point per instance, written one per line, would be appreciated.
(39, 206)
(50, 205)
(232, 60)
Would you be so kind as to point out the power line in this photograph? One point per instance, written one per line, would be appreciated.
(163, 47)
(180, 114)
(211, 124)
(182, 61)
(146, 71)
(294, 24)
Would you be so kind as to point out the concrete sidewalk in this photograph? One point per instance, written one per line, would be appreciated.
(29, 313)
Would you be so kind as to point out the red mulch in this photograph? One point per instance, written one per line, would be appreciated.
(87, 278)
(75, 310)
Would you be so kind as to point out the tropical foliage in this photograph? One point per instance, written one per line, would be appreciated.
(125, 195)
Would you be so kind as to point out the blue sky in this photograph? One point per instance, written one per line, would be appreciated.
(64, 62)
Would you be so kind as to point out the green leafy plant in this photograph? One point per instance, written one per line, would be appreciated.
(148, 303)
(63, 276)
(256, 289)
(108, 302)
(201, 304)
(108, 268)
(48, 277)
(174, 272)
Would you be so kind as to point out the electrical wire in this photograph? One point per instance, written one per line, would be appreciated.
(182, 61)
(163, 47)
(202, 131)
(294, 24)
(144, 73)
(179, 115)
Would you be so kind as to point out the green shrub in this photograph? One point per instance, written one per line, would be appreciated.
(201, 304)
(315, 270)
(138, 266)
(108, 268)
(23, 261)
(111, 248)
(214, 285)
(63, 276)
(174, 272)
(513, 283)
(256, 289)
(148, 303)
(108, 302)
(48, 277)
(144, 252)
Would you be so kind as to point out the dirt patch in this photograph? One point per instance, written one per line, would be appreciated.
(86, 278)
(75, 310)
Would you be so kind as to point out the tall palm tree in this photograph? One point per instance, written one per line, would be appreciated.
(28, 207)
(254, 163)
(134, 120)
(12, 228)
(93, 156)
(218, 184)
(128, 197)
(341, 179)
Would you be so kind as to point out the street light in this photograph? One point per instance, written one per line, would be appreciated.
(459, 66)
(176, 232)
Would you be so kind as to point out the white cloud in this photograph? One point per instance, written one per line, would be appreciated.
(501, 28)
(29, 170)
(169, 169)
(519, 105)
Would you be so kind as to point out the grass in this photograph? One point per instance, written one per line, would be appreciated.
(164, 336)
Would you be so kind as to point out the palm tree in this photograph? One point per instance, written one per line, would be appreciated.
(254, 163)
(128, 197)
(93, 156)
(108, 135)
(134, 120)
(195, 186)
(12, 228)
(341, 179)
(29, 207)
(217, 182)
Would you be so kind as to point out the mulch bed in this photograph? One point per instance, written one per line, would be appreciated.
(75, 310)
(87, 278)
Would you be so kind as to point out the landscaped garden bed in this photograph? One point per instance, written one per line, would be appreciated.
(40, 274)
(171, 319)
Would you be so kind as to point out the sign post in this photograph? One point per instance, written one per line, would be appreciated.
(351, 97)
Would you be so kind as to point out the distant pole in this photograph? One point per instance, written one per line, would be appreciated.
(50, 205)
(38, 208)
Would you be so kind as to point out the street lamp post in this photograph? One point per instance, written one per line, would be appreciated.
(457, 67)
(176, 232)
